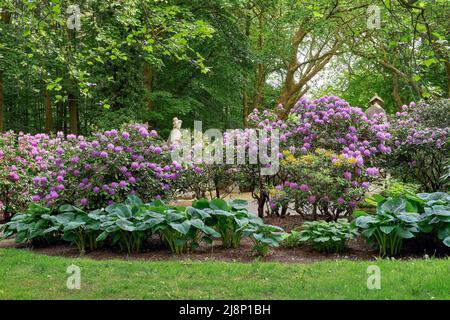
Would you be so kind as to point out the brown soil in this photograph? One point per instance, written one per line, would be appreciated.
(155, 252)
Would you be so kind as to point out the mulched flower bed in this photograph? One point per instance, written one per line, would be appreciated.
(154, 251)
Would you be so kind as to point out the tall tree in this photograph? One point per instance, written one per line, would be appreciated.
(5, 19)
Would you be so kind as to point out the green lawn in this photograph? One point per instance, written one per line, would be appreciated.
(25, 275)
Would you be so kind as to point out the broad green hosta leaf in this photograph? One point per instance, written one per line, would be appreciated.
(443, 211)
(172, 215)
(359, 213)
(73, 225)
(182, 228)
(219, 212)
(198, 213)
(21, 236)
(19, 216)
(64, 218)
(126, 225)
(444, 233)
(387, 229)
(219, 204)
(375, 199)
(447, 241)
(120, 210)
(368, 233)
(408, 217)
(238, 204)
(241, 222)
(102, 236)
(435, 198)
(36, 209)
(394, 205)
(199, 224)
(365, 221)
(133, 200)
(154, 222)
(201, 204)
(403, 233)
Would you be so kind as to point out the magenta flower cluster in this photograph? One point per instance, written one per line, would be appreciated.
(332, 125)
(96, 171)
(421, 146)
(330, 122)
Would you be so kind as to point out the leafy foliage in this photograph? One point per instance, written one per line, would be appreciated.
(130, 223)
(325, 236)
(435, 218)
(404, 217)
(395, 220)
(421, 145)
(34, 226)
(76, 227)
(233, 221)
(87, 172)
(395, 188)
(264, 236)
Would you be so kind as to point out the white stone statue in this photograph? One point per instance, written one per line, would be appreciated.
(175, 134)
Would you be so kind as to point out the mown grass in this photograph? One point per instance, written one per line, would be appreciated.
(25, 275)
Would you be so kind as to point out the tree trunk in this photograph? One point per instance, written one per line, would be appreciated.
(396, 91)
(73, 114)
(48, 112)
(59, 116)
(1, 102)
(148, 83)
(245, 111)
(447, 73)
(64, 118)
(6, 18)
(414, 85)
(260, 76)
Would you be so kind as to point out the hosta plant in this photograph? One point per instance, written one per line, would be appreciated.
(327, 236)
(233, 222)
(35, 226)
(182, 228)
(395, 220)
(229, 219)
(130, 223)
(435, 218)
(264, 236)
(77, 227)
(125, 224)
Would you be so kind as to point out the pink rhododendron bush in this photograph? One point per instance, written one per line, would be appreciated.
(17, 167)
(88, 172)
(421, 148)
(329, 155)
